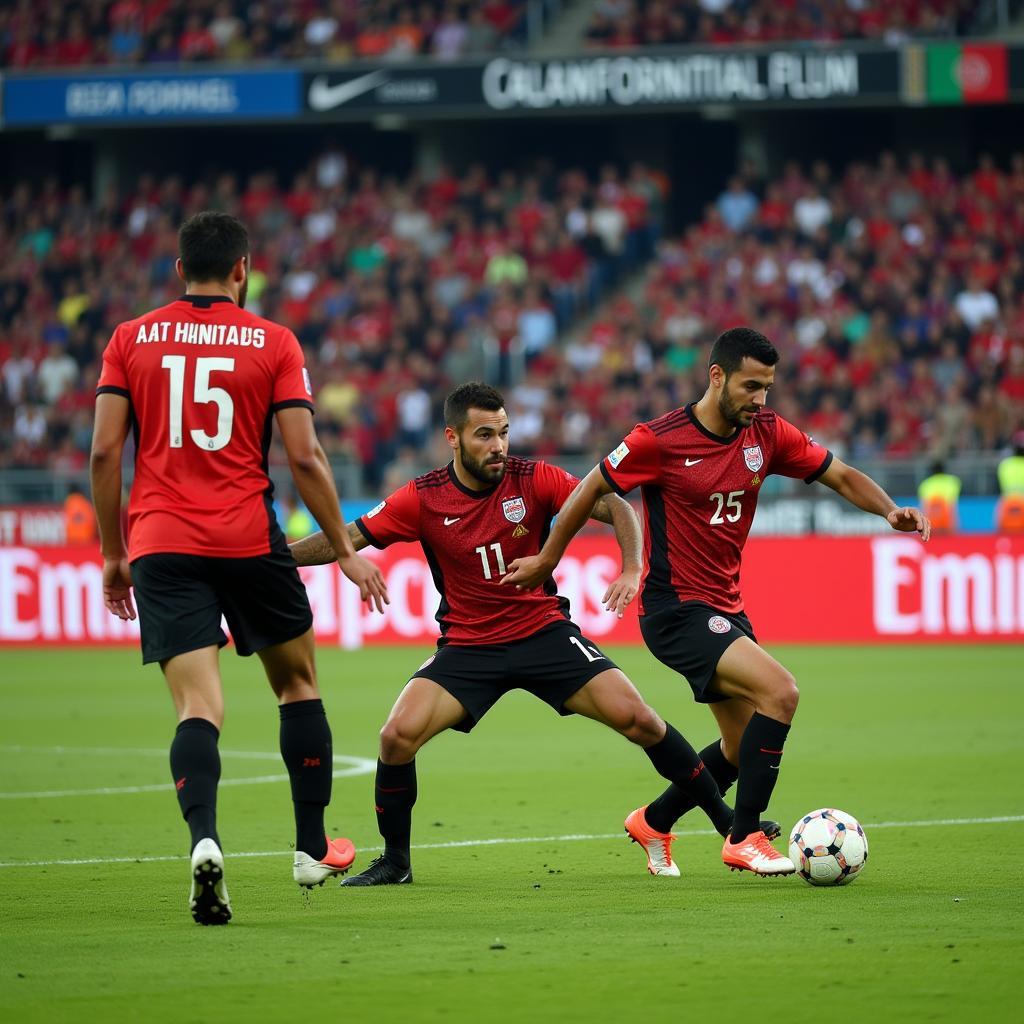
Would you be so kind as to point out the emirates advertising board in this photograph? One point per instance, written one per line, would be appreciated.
(813, 589)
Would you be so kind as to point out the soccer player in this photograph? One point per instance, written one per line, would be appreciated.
(700, 469)
(199, 381)
(473, 518)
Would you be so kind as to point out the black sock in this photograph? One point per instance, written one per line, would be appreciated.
(307, 754)
(677, 761)
(394, 795)
(195, 768)
(760, 758)
(667, 809)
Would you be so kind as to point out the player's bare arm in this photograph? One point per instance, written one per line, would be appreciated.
(312, 474)
(316, 548)
(528, 573)
(108, 437)
(860, 490)
(628, 535)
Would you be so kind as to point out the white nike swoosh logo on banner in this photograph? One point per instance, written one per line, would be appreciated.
(693, 462)
(326, 97)
(448, 522)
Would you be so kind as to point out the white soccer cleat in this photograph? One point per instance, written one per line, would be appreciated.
(756, 853)
(208, 898)
(657, 845)
(338, 859)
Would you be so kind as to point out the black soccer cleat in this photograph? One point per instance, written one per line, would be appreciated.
(381, 872)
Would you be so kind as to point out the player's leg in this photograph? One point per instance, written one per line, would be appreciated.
(179, 619)
(193, 679)
(610, 698)
(748, 674)
(306, 749)
(423, 709)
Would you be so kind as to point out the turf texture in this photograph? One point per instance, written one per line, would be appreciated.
(519, 922)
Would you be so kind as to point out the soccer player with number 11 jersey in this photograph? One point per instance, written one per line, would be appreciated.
(473, 518)
(700, 470)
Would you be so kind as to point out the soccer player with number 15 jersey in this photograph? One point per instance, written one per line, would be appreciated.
(200, 382)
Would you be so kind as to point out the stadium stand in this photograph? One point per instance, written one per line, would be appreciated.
(38, 35)
(903, 275)
(626, 23)
(395, 288)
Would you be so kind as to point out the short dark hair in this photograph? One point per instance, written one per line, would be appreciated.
(472, 395)
(210, 244)
(731, 347)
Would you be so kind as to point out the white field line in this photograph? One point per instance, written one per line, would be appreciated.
(506, 841)
(349, 766)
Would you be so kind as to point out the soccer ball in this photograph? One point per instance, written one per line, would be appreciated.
(828, 847)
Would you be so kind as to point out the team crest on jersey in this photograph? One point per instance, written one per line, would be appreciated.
(754, 458)
(514, 509)
(719, 624)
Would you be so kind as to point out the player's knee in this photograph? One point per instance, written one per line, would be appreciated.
(641, 724)
(786, 697)
(397, 744)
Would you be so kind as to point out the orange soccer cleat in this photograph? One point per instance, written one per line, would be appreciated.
(657, 845)
(756, 853)
(338, 859)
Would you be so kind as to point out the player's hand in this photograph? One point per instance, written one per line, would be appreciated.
(528, 572)
(368, 578)
(621, 591)
(910, 520)
(117, 588)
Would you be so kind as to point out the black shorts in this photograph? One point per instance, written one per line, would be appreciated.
(691, 638)
(552, 664)
(181, 599)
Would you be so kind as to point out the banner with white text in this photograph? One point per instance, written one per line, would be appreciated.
(814, 589)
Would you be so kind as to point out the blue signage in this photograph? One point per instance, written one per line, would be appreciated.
(165, 96)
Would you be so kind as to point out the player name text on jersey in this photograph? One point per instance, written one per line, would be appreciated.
(200, 334)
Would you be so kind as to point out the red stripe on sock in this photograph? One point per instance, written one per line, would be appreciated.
(396, 789)
(765, 750)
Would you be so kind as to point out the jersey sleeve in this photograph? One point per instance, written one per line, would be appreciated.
(636, 461)
(396, 518)
(291, 382)
(796, 454)
(553, 485)
(114, 376)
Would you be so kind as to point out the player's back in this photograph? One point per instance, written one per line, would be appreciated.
(204, 379)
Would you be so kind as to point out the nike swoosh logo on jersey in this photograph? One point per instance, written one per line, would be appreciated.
(693, 462)
(326, 97)
(448, 522)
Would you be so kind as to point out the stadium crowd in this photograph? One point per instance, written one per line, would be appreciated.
(90, 32)
(35, 35)
(893, 290)
(397, 288)
(630, 23)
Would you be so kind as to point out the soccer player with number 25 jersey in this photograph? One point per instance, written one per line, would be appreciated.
(200, 381)
(700, 469)
(473, 518)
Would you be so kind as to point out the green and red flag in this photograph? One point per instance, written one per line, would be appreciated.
(967, 73)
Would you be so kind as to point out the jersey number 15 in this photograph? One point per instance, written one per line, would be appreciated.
(202, 394)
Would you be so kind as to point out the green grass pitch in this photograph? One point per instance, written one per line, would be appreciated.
(546, 928)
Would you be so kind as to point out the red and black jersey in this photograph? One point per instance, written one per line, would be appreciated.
(700, 492)
(470, 537)
(204, 379)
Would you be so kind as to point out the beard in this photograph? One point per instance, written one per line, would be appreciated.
(488, 471)
(735, 414)
(242, 292)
